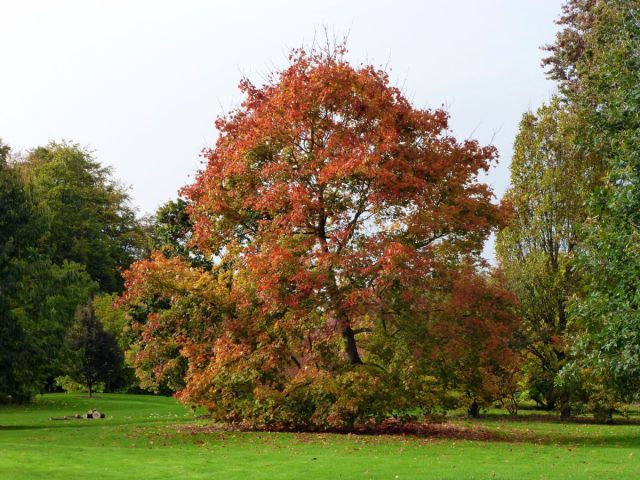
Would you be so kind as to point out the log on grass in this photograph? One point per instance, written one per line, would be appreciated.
(67, 417)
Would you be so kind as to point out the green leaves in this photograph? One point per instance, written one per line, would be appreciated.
(94, 353)
(608, 315)
(65, 229)
(571, 250)
(89, 219)
(550, 181)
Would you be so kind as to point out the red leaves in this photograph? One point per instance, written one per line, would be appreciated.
(344, 221)
(474, 336)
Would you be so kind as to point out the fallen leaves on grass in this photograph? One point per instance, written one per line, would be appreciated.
(391, 427)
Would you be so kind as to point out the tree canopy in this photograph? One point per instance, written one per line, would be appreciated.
(90, 220)
(608, 101)
(344, 223)
(571, 249)
(37, 296)
(551, 180)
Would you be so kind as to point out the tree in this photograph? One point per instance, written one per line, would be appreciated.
(37, 296)
(337, 213)
(608, 101)
(172, 231)
(472, 341)
(15, 216)
(537, 248)
(569, 49)
(594, 59)
(326, 176)
(89, 218)
(114, 322)
(95, 354)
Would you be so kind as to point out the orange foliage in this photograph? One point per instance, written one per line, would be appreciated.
(343, 222)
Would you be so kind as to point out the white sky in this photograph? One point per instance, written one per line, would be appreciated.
(141, 82)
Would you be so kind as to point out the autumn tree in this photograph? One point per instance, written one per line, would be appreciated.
(471, 342)
(338, 214)
(326, 176)
(576, 21)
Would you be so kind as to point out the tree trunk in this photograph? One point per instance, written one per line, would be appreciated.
(474, 410)
(350, 346)
(565, 408)
(609, 419)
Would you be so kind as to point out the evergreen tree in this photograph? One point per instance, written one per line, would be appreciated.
(95, 354)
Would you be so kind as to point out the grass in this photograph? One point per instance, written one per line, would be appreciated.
(146, 437)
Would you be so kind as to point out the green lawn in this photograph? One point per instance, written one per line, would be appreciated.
(150, 437)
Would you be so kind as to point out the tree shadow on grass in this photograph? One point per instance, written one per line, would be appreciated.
(388, 429)
(618, 434)
(621, 440)
(84, 423)
(549, 418)
(9, 428)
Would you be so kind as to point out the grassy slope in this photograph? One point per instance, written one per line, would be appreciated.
(142, 438)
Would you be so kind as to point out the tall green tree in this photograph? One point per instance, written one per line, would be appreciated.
(550, 179)
(15, 216)
(37, 296)
(606, 96)
(90, 220)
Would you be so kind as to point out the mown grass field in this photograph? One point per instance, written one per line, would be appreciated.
(145, 437)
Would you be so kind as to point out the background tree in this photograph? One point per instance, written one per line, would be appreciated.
(594, 59)
(37, 296)
(65, 224)
(94, 353)
(15, 237)
(550, 181)
(172, 232)
(472, 342)
(577, 20)
(114, 322)
(607, 99)
(90, 221)
(336, 212)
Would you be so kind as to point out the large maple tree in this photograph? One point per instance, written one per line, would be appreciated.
(339, 218)
(330, 186)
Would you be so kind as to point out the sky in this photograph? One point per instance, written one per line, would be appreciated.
(142, 82)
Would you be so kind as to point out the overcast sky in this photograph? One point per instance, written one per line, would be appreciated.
(141, 82)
